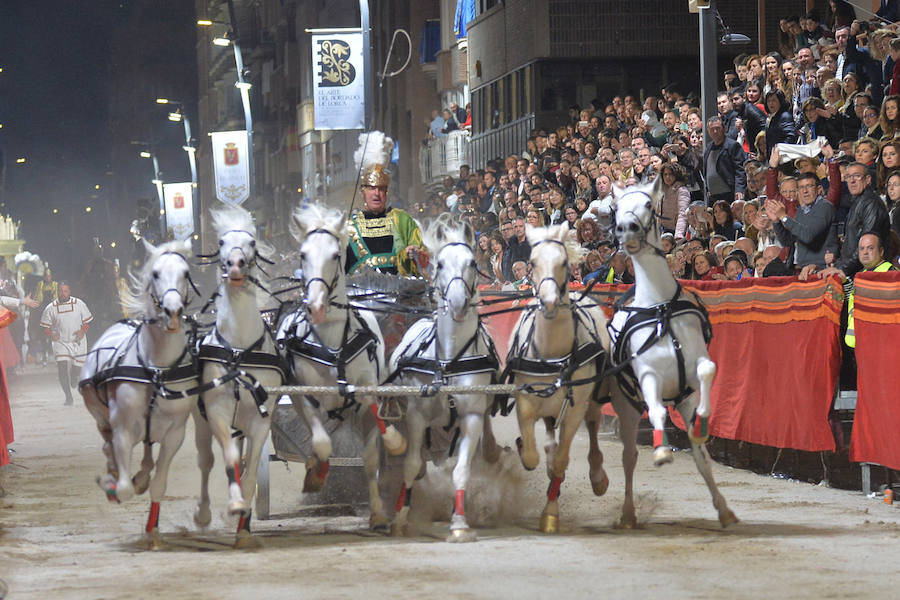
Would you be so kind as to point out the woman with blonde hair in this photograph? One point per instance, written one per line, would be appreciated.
(755, 70)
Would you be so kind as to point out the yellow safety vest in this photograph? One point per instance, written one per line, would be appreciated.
(850, 336)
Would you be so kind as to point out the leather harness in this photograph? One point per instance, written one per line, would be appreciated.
(660, 317)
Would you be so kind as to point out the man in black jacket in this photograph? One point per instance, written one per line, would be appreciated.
(754, 120)
(723, 165)
(867, 215)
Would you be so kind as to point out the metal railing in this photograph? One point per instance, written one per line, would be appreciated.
(501, 142)
(443, 156)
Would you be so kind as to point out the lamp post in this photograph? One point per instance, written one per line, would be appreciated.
(181, 115)
(231, 39)
(157, 181)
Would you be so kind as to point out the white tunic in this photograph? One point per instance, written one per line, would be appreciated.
(65, 319)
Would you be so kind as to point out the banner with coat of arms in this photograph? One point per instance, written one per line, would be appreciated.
(338, 81)
(229, 150)
(179, 210)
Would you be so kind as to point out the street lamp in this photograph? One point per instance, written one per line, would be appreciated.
(20, 160)
(230, 38)
(180, 115)
(157, 181)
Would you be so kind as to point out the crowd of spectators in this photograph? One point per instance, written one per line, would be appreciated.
(735, 203)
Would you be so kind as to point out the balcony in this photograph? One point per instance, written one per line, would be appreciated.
(442, 157)
(507, 139)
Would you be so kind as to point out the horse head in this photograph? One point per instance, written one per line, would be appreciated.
(322, 235)
(551, 250)
(637, 210)
(238, 250)
(159, 291)
(455, 270)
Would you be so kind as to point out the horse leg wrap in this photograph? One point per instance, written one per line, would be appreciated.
(153, 519)
(404, 498)
(244, 522)
(460, 502)
(553, 490)
(701, 427)
(660, 438)
(378, 420)
(234, 474)
(322, 471)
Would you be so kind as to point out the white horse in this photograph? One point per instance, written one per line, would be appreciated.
(664, 333)
(328, 347)
(237, 358)
(452, 347)
(122, 377)
(555, 342)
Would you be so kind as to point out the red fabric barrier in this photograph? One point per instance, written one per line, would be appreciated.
(776, 348)
(877, 319)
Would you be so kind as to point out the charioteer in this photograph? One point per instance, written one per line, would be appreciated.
(382, 237)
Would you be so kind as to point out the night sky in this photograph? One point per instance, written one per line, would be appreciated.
(53, 106)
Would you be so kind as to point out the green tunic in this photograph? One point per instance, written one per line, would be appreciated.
(380, 241)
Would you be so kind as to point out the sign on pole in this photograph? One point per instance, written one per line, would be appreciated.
(179, 210)
(338, 81)
(232, 166)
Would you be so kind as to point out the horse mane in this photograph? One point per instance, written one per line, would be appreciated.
(574, 250)
(136, 297)
(446, 230)
(235, 218)
(317, 216)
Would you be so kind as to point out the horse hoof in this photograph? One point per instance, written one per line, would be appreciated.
(238, 507)
(600, 486)
(399, 529)
(246, 541)
(727, 518)
(202, 517)
(662, 455)
(627, 522)
(378, 523)
(153, 541)
(394, 442)
(312, 483)
(549, 524)
(462, 536)
(108, 485)
(141, 482)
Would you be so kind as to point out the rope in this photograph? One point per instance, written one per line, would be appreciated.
(393, 390)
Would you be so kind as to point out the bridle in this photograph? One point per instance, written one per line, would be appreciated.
(158, 299)
(561, 288)
(469, 286)
(329, 287)
(638, 227)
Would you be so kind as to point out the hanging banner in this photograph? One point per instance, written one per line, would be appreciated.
(179, 210)
(338, 81)
(230, 156)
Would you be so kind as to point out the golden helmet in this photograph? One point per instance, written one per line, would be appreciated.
(375, 176)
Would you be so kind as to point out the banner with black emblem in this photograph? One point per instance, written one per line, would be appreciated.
(338, 81)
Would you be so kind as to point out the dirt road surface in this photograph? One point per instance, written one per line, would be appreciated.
(59, 538)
